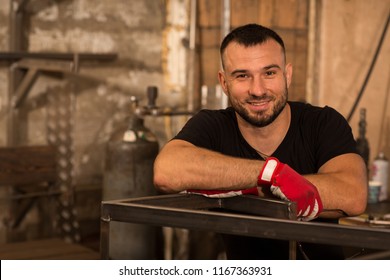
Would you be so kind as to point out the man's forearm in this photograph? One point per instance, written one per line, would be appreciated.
(340, 198)
(189, 167)
(342, 190)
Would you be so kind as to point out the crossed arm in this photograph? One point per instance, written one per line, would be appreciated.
(341, 182)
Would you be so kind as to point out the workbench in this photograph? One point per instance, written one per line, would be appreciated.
(240, 215)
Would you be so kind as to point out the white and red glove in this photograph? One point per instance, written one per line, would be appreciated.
(287, 184)
(227, 193)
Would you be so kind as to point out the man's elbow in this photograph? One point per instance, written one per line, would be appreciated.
(164, 183)
(161, 184)
(358, 204)
(357, 209)
(359, 192)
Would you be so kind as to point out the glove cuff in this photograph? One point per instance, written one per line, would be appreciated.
(268, 171)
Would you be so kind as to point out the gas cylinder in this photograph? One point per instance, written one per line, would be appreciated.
(380, 170)
(128, 173)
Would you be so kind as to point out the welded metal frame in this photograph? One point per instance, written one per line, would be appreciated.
(241, 215)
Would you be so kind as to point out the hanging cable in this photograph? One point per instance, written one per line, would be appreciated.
(369, 70)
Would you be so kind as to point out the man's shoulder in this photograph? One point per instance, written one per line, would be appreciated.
(303, 106)
(309, 110)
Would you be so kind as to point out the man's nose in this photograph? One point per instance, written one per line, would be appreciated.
(257, 86)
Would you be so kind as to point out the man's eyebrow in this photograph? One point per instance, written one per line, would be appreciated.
(238, 71)
(271, 66)
(243, 71)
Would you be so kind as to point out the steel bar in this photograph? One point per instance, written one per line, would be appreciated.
(244, 204)
(104, 238)
(12, 56)
(49, 65)
(385, 255)
(260, 207)
(17, 39)
(24, 87)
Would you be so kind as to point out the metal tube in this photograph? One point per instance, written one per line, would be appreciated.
(16, 55)
(192, 58)
(311, 53)
(16, 40)
(225, 25)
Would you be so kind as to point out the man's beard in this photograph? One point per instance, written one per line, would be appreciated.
(261, 119)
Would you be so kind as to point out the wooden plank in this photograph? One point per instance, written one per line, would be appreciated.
(47, 249)
(210, 38)
(209, 13)
(27, 165)
(211, 65)
(290, 14)
(266, 13)
(243, 12)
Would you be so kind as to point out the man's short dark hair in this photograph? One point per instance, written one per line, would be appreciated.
(250, 35)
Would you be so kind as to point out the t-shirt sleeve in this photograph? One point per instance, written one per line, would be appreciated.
(201, 130)
(334, 136)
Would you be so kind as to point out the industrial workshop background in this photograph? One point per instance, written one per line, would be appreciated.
(85, 61)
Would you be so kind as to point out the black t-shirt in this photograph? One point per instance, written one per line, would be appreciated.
(315, 136)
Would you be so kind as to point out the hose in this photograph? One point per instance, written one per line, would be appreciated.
(369, 70)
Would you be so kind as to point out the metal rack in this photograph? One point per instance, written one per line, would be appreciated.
(25, 68)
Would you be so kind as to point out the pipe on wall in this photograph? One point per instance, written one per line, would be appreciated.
(192, 58)
(311, 53)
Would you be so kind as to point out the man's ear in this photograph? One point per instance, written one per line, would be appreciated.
(222, 80)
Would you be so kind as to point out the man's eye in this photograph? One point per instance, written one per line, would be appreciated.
(270, 73)
(242, 76)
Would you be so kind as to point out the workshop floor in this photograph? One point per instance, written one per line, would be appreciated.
(47, 249)
(53, 248)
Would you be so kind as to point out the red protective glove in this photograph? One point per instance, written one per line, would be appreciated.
(223, 193)
(287, 184)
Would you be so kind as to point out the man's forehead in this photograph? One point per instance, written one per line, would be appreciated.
(269, 51)
(269, 44)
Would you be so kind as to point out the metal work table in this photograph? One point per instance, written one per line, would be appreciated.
(240, 215)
